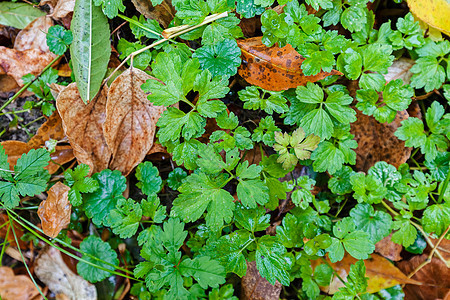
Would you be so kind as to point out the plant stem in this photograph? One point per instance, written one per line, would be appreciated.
(444, 187)
(16, 95)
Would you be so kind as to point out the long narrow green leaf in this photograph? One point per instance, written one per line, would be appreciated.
(18, 15)
(90, 49)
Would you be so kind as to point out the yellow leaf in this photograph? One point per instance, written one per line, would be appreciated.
(436, 13)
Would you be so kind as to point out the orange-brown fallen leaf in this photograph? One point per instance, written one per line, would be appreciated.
(435, 276)
(62, 155)
(34, 35)
(51, 129)
(83, 125)
(14, 150)
(274, 68)
(164, 13)
(381, 273)
(59, 8)
(16, 287)
(387, 248)
(130, 123)
(55, 211)
(51, 269)
(255, 287)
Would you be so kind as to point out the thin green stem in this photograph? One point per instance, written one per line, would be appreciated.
(23, 258)
(16, 95)
(389, 208)
(34, 121)
(14, 112)
(4, 244)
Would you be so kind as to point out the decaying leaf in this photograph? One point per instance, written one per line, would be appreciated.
(130, 122)
(274, 68)
(387, 248)
(436, 13)
(51, 269)
(163, 13)
(400, 69)
(435, 276)
(51, 129)
(55, 211)
(255, 287)
(59, 8)
(14, 150)
(34, 35)
(62, 155)
(19, 63)
(14, 287)
(381, 273)
(83, 125)
(7, 85)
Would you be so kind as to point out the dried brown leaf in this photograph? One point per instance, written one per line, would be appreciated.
(435, 276)
(14, 287)
(382, 274)
(14, 150)
(83, 125)
(55, 211)
(34, 35)
(62, 155)
(130, 122)
(51, 269)
(51, 129)
(163, 13)
(17, 63)
(255, 287)
(387, 248)
(274, 68)
(6, 230)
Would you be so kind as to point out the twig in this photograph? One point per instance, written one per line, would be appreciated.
(16, 95)
(429, 258)
(169, 34)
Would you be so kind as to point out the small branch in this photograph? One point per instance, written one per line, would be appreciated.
(430, 257)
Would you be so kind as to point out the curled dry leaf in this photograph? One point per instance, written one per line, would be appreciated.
(62, 155)
(274, 68)
(51, 269)
(163, 13)
(387, 248)
(255, 287)
(130, 122)
(83, 125)
(34, 35)
(14, 287)
(435, 277)
(59, 8)
(382, 274)
(55, 211)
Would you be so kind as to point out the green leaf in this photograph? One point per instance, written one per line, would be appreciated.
(140, 61)
(148, 176)
(265, 132)
(94, 246)
(406, 233)
(368, 188)
(176, 178)
(151, 208)
(90, 49)
(290, 234)
(302, 197)
(58, 39)
(31, 186)
(29, 164)
(327, 157)
(229, 251)
(340, 182)
(252, 191)
(221, 59)
(200, 193)
(376, 223)
(18, 15)
(173, 235)
(252, 100)
(248, 9)
(110, 7)
(253, 219)
(124, 219)
(412, 132)
(9, 194)
(207, 272)
(210, 162)
(79, 182)
(356, 282)
(377, 58)
(99, 203)
(270, 260)
(436, 218)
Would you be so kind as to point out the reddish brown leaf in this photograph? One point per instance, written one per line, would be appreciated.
(163, 13)
(274, 68)
(62, 155)
(130, 122)
(55, 211)
(14, 287)
(14, 150)
(255, 287)
(387, 248)
(435, 276)
(381, 273)
(83, 125)
(51, 269)
(51, 129)
(59, 8)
